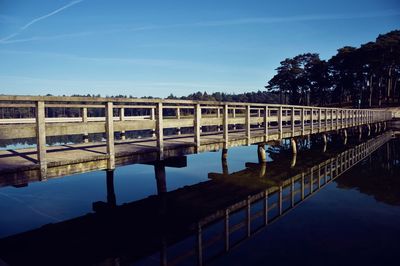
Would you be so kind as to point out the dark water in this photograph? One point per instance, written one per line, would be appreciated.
(353, 219)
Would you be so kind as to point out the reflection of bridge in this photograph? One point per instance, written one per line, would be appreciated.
(185, 225)
(195, 126)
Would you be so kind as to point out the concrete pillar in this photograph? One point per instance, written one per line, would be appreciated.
(294, 145)
(160, 130)
(41, 138)
(369, 129)
(159, 170)
(111, 198)
(344, 136)
(262, 155)
(325, 140)
(197, 124)
(110, 135)
(359, 132)
(122, 118)
(85, 121)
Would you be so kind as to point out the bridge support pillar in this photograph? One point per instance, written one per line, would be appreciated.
(159, 170)
(359, 132)
(325, 139)
(224, 155)
(369, 129)
(262, 155)
(111, 198)
(344, 136)
(294, 145)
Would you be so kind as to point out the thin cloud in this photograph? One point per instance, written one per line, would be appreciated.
(30, 23)
(214, 23)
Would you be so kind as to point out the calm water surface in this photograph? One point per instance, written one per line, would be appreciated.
(353, 220)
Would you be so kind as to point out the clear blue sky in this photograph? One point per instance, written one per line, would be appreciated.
(160, 47)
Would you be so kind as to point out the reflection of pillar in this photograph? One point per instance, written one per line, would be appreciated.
(294, 147)
(293, 161)
(224, 154)
(225, 170)
(111, 199)
(263, 169)
(159, 170)
(262, 156)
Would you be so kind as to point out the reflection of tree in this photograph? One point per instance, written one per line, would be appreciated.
(378, 176)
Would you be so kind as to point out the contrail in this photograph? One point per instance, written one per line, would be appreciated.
(30, 23)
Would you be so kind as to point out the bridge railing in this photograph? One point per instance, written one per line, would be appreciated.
(272, 121)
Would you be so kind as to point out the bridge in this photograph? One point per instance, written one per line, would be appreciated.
(246, 203)
(163, 128)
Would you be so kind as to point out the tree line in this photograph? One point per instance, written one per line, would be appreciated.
(367, 76)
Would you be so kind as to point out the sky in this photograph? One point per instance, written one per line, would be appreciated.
(155, 48)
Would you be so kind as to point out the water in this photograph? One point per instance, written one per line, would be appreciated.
(351, 220)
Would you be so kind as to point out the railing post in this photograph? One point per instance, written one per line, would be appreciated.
(266, 115)
(41, 138)
(312, 120)
(302, 121)
(226, 127)
(319, 119)
(110, 135)
(85, 121)
(197, 124)
(337, 118)
(248, 124)
(122, 118)
(178, 116)
(326, 119)
(293, 119)
(153, 118)
(331, 119)
(218, 116)
(280, 122)
(160, 130)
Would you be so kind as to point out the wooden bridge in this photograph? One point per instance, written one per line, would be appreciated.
(212, 215)
(167, 128)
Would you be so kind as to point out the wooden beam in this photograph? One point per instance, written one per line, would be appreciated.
(160, 130)
(248, 124)
(197, 125)
(110, 135)
(41, 138)
(226, 126)
(292, 120)
(302, 121)
(266, 115)
(280, 122)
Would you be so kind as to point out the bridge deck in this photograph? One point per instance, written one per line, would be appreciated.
(259, 123)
